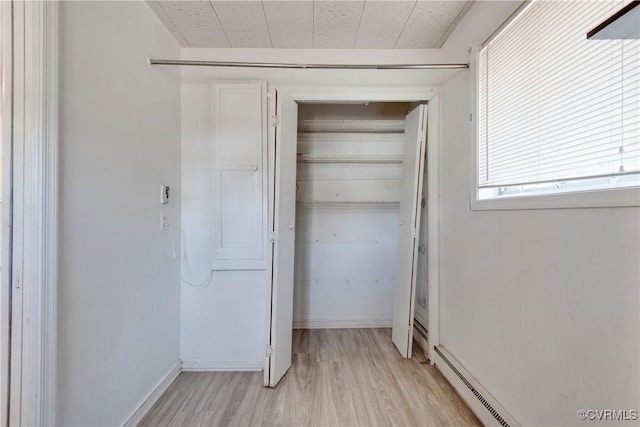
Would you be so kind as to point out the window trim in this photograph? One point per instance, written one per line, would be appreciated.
(606, 198)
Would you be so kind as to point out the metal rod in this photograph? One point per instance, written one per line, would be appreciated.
(306, 66)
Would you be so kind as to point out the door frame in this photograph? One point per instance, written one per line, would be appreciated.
(30, 211)
(304, 94)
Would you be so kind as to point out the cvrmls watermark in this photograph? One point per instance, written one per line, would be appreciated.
(608, 414)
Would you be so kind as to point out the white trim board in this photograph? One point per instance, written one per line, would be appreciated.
(434, 195)
(470, 398)
(34, 208)
(358, 94)
(221, 366)
(341, 324)
(154, 396)
(5, 294)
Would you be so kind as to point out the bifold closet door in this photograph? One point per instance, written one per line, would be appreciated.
(409, 228)
(286, 136)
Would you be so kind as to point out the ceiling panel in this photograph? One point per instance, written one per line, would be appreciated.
(336, 23)
(206, 38)
(304, 24)
(382, 22)
(428, 22)
(191, 15)
(243, 22)
(247, 39)
(290, 23)
(173, 29)
(197, 23)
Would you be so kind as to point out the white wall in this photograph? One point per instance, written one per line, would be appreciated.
(119, 140)
(541, 306)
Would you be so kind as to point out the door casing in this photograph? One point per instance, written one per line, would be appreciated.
(30, 211)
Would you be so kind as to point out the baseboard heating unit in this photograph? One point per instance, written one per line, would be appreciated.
(421, 337)
(485, 406)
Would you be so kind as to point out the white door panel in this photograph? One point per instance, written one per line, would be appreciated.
(239, 145)
(284, 245)
(409, 228)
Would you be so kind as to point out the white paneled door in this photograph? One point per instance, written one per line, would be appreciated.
(409, 229)
(238, 174)
(286, 121)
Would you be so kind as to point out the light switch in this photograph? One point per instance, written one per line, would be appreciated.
(164, 194)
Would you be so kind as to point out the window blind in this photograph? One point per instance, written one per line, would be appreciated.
(554, 106)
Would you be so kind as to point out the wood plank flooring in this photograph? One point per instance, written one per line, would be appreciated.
(339, 377)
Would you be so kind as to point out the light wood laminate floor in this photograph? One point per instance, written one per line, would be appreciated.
(345, 377)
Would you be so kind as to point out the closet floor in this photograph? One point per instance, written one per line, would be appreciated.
(347, 377)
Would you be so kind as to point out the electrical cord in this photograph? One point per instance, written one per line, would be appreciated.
(204, 284)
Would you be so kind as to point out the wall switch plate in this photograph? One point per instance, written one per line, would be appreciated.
(164, 194)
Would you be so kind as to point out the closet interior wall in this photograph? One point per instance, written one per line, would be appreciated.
(348, 189)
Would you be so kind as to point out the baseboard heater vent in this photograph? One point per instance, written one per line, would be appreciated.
(421, 329)
(489, 407)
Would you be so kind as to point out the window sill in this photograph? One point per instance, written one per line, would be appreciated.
(625, 197)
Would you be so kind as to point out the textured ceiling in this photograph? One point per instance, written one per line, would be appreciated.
(306, 24)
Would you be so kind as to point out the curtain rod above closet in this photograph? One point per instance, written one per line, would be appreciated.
(307, 66)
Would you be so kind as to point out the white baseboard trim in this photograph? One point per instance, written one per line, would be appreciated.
(482, 403)
(220, 366)
(342, 324)
(153, 397)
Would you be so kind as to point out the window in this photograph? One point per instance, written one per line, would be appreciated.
(558, 113)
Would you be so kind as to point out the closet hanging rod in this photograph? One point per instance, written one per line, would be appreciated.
(351, 158)
(389, 204)
(307, 66)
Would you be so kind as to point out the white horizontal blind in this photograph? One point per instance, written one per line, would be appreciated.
(553, 105)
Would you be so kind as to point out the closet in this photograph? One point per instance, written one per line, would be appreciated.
(326, 198)
(346, 254)
(349, 170)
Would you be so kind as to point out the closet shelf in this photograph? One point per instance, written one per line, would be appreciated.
(351, 126)
(349, 204)
(351, 158)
